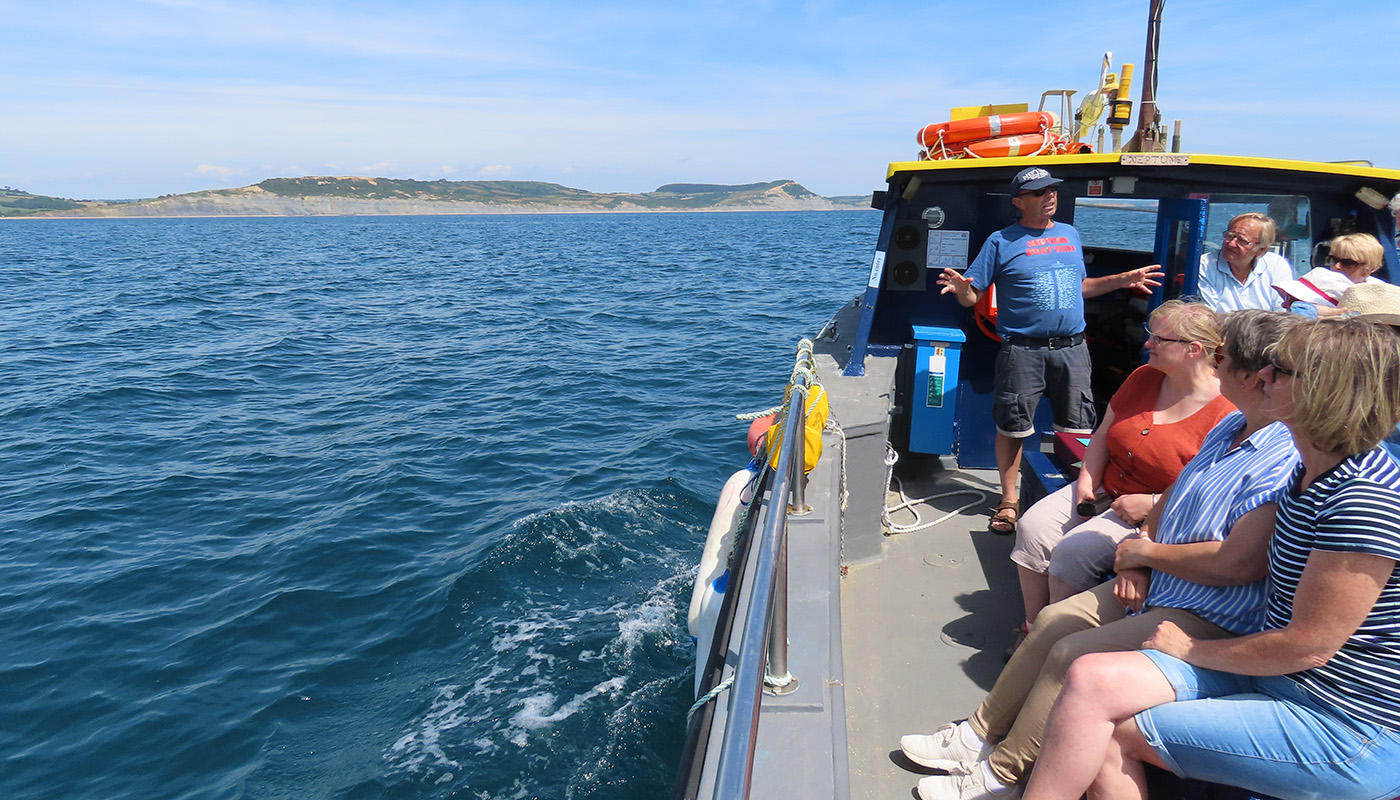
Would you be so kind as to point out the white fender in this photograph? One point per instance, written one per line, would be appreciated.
(713, 576)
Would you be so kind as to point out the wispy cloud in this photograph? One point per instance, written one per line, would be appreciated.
(215, 171)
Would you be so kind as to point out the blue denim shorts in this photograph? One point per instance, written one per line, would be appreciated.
(1267, 735)
(1024, 374)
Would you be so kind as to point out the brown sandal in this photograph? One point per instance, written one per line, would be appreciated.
(1002, 522)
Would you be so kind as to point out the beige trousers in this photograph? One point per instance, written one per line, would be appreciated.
(1013, 715)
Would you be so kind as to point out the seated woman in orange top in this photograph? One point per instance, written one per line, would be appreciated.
(1154, 425)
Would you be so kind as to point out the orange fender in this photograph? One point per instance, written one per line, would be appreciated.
(758, 430)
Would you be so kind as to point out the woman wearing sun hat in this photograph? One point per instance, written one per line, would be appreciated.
(1379, 303)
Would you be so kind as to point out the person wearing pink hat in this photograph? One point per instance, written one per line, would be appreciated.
(1352, 258)
(1316, 293)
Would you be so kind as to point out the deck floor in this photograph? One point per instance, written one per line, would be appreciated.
(932, 659)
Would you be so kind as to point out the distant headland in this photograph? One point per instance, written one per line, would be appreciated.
(358, 196)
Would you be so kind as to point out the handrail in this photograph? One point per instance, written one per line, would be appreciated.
(767, 612)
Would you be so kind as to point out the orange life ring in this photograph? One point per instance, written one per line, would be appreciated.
(971, 130)
(942, 151)
(1024, 145)
(928, 135)
(984, 313)
(758, 429)
(994, 125)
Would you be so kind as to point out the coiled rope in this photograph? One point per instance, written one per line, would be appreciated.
(896, 485)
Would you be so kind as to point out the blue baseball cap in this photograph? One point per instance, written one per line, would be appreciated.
(1032, 178)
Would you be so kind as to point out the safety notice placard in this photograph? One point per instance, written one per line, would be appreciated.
(948, 249)
(937, 370)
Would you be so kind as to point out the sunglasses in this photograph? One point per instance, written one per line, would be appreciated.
(1219, 354)
(1280, 369)
(1039, 192)
(1344, 263)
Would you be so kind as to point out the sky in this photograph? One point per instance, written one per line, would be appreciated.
(125, 99)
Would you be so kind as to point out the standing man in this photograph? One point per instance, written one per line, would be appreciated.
(1037, 266)
(1241, 275)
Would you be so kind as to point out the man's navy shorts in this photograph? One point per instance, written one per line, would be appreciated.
(1024, 374)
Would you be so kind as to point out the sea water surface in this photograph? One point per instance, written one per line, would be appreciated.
(376, 507)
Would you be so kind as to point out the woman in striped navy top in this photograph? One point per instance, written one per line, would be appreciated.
(1310, 706)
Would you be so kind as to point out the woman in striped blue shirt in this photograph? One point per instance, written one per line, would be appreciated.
(1309, 707)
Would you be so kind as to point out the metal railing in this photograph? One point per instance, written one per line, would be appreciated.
(762, 669)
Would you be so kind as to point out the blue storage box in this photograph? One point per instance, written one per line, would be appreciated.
(934, 402)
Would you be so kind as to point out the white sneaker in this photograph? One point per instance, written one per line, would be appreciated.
(969, 786)
(943, 749)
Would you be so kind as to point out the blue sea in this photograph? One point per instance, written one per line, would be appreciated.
(376, 507)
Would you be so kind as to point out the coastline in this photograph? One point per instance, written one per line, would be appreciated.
(483, 213)
(352, 196)
(280, 208)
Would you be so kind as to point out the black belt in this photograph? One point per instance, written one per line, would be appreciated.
(1053, 343)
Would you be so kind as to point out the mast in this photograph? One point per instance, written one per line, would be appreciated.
(1148, 133)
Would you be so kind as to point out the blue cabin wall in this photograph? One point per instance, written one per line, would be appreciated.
(978, 201)
(980, 208)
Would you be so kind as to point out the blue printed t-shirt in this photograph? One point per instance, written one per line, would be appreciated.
(1039, 275)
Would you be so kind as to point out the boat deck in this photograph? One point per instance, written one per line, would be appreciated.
(924, 627)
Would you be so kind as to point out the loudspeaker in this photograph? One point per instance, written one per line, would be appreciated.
(907, 260)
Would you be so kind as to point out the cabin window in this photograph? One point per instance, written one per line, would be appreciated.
(1116, 223)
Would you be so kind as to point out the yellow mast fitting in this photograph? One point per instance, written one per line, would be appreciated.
(1120, 111)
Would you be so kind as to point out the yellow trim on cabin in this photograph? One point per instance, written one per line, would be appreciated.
(972, 112)
(1112, 159)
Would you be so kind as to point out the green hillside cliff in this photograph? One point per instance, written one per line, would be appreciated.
(351, 196)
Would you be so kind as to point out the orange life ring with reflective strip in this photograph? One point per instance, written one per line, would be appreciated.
(989, 127)
(968, 130)
(1025, 145)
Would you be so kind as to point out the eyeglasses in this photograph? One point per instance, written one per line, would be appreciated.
(1280, 369)
(1152, 337)
(1039, 192)
(1239, 238)
(1344, 263)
